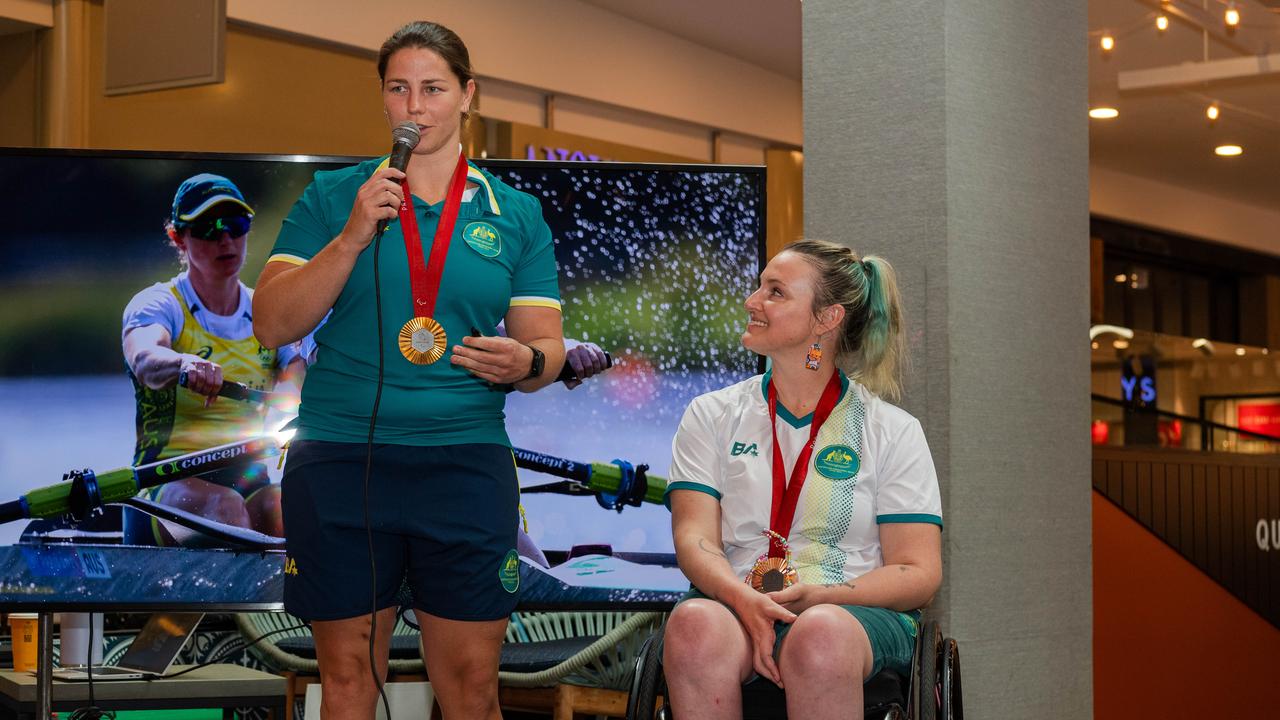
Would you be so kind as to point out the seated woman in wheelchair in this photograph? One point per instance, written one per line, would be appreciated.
(813, 490)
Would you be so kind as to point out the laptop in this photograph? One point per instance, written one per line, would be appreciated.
(150, 654)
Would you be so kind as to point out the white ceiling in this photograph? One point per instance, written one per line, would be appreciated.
(1161, 135)
(762, 32)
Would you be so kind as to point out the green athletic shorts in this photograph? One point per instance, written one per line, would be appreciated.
(892, 634)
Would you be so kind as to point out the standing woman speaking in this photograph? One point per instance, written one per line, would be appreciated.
(402, 468)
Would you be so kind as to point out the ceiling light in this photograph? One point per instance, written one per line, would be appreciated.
(1213, 111)
(1103, 113)
(1121, 278)
(1232, 16)
(1120, 344)
(1228, 150)
(1162, 22)
(1108, 43)
(1240, 351)
(1094, 344)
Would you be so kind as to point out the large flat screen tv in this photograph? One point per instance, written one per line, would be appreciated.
(655, 262)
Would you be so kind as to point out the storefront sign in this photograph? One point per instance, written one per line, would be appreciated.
(1138, 380)
(1267, 533)
(557, 153)
(1259, 417)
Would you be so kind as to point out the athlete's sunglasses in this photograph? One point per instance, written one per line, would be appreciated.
(212, 228)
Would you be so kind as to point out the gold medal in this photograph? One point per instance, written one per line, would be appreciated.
(422, 341)
(771, 574)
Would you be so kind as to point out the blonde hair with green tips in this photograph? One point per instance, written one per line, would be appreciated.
(870, 345)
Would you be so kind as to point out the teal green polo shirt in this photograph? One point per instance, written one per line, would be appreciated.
(500, 256)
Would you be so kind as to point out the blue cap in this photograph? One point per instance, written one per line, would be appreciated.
(200, 192)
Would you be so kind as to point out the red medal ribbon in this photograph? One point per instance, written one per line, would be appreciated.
(424, 278)
(786, 495)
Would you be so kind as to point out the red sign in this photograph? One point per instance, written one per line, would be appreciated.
(1260, 418)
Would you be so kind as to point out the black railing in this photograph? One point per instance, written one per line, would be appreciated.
(1202, 422)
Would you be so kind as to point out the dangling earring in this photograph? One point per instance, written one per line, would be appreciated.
(813, 360)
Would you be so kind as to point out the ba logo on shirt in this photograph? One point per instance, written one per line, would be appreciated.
(837, 462)
(483, 238)
(744, 449)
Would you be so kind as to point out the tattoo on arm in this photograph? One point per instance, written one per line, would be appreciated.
(847, 583)
(704, 547)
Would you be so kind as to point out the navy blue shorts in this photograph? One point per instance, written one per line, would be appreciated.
(444, 521)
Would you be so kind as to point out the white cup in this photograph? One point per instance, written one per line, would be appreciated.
(74, 630)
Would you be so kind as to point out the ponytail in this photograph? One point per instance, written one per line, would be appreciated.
(880, 349)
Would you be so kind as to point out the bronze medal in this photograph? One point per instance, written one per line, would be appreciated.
(773, 570)
(771, 574)
(423, 341)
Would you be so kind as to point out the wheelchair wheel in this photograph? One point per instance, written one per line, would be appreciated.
(924, 673)
(952, 699)
(646, 679)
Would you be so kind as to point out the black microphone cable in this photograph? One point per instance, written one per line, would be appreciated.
(368, 469)
(404, 138)
(91, 711)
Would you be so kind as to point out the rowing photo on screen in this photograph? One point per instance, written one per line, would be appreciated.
(183, 339)
(652, 263)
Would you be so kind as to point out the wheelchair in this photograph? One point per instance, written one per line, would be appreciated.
(932, 692)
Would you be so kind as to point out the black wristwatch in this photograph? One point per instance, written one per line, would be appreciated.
(535, 367)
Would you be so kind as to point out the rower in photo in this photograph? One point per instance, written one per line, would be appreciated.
(182, 339)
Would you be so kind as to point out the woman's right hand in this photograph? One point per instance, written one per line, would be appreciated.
(379, 198)
(757, 613)
(200, 376)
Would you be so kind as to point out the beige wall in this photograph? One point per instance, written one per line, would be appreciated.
(572, 49)
(34, 13)
(278, 97)
(18, 89)
(1158, 205)
(312, 88)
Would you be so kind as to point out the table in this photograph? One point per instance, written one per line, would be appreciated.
(48, 578)
(213, 686)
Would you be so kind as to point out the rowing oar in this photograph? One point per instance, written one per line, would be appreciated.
(83, 490)
(615, 484)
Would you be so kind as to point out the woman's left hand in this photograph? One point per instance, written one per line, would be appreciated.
(800, 597)
(499, 360)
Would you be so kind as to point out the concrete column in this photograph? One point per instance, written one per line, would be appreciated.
(951, 137)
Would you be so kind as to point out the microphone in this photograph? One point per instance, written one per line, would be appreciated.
(404, 138)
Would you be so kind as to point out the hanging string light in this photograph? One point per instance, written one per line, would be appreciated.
(1107, 43)
(1212, 111)
(1162, 22)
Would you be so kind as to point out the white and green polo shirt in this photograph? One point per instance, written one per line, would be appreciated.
(870, 466)
(501, 256)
